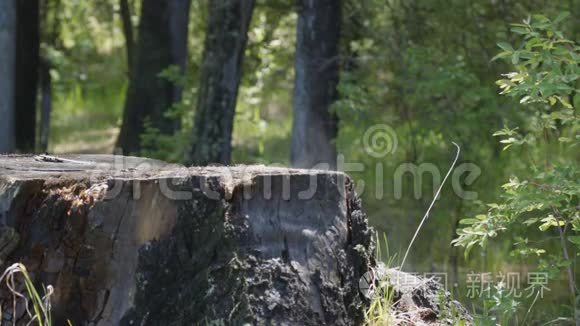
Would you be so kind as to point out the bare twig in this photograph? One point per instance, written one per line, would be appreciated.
(431, 205)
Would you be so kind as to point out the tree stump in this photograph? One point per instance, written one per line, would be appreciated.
(132, 241)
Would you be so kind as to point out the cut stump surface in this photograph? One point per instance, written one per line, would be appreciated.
(132, 241)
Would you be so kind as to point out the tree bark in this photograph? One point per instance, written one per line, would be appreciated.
(179, 19)
(45, 105)
(150, 96)
(314, 127)
(130, 241)
(7, 78)
(26, 72)
(125, 15)
(221, 72)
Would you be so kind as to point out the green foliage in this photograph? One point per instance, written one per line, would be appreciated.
(171, 147)
(422, 68)
(546, 63)
(264, 110)
(499, 309)
(543, 202)
(83, 43)
(553, 191)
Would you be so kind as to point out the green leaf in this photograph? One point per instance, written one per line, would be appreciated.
(561, 17)
(516, 57)
(469, 221)
(505, 46)
(520, 30)
(549, 222)
(501, 55)
(508, 140)
(544, 226)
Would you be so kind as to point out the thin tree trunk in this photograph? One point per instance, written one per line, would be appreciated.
(352, 31)
(51, 22)
(7, 63)
(26, 72)
(45, 106)
(221, 71)
(314, 127)
(179, 18)
(150, 96)
(125, 14)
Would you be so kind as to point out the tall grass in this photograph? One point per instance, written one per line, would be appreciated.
(41, 306)
(380, 310)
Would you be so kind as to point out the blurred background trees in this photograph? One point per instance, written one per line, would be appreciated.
(294, 83)
(27, 73)
(221, 72)
(161, 44)
(7, 63)
(314, 126)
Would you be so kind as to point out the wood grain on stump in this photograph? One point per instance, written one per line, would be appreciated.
(132, 241)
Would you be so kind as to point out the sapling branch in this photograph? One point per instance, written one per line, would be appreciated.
(569, 271)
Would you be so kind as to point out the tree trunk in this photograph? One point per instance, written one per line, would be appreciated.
(179, 19)
(221, 71)
(7, 78)
(130, 241)
(314, 127)
(26, 70)
(125, 15)
(45, 105)
(150, 96)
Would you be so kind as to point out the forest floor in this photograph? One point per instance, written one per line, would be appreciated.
(96, 141)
